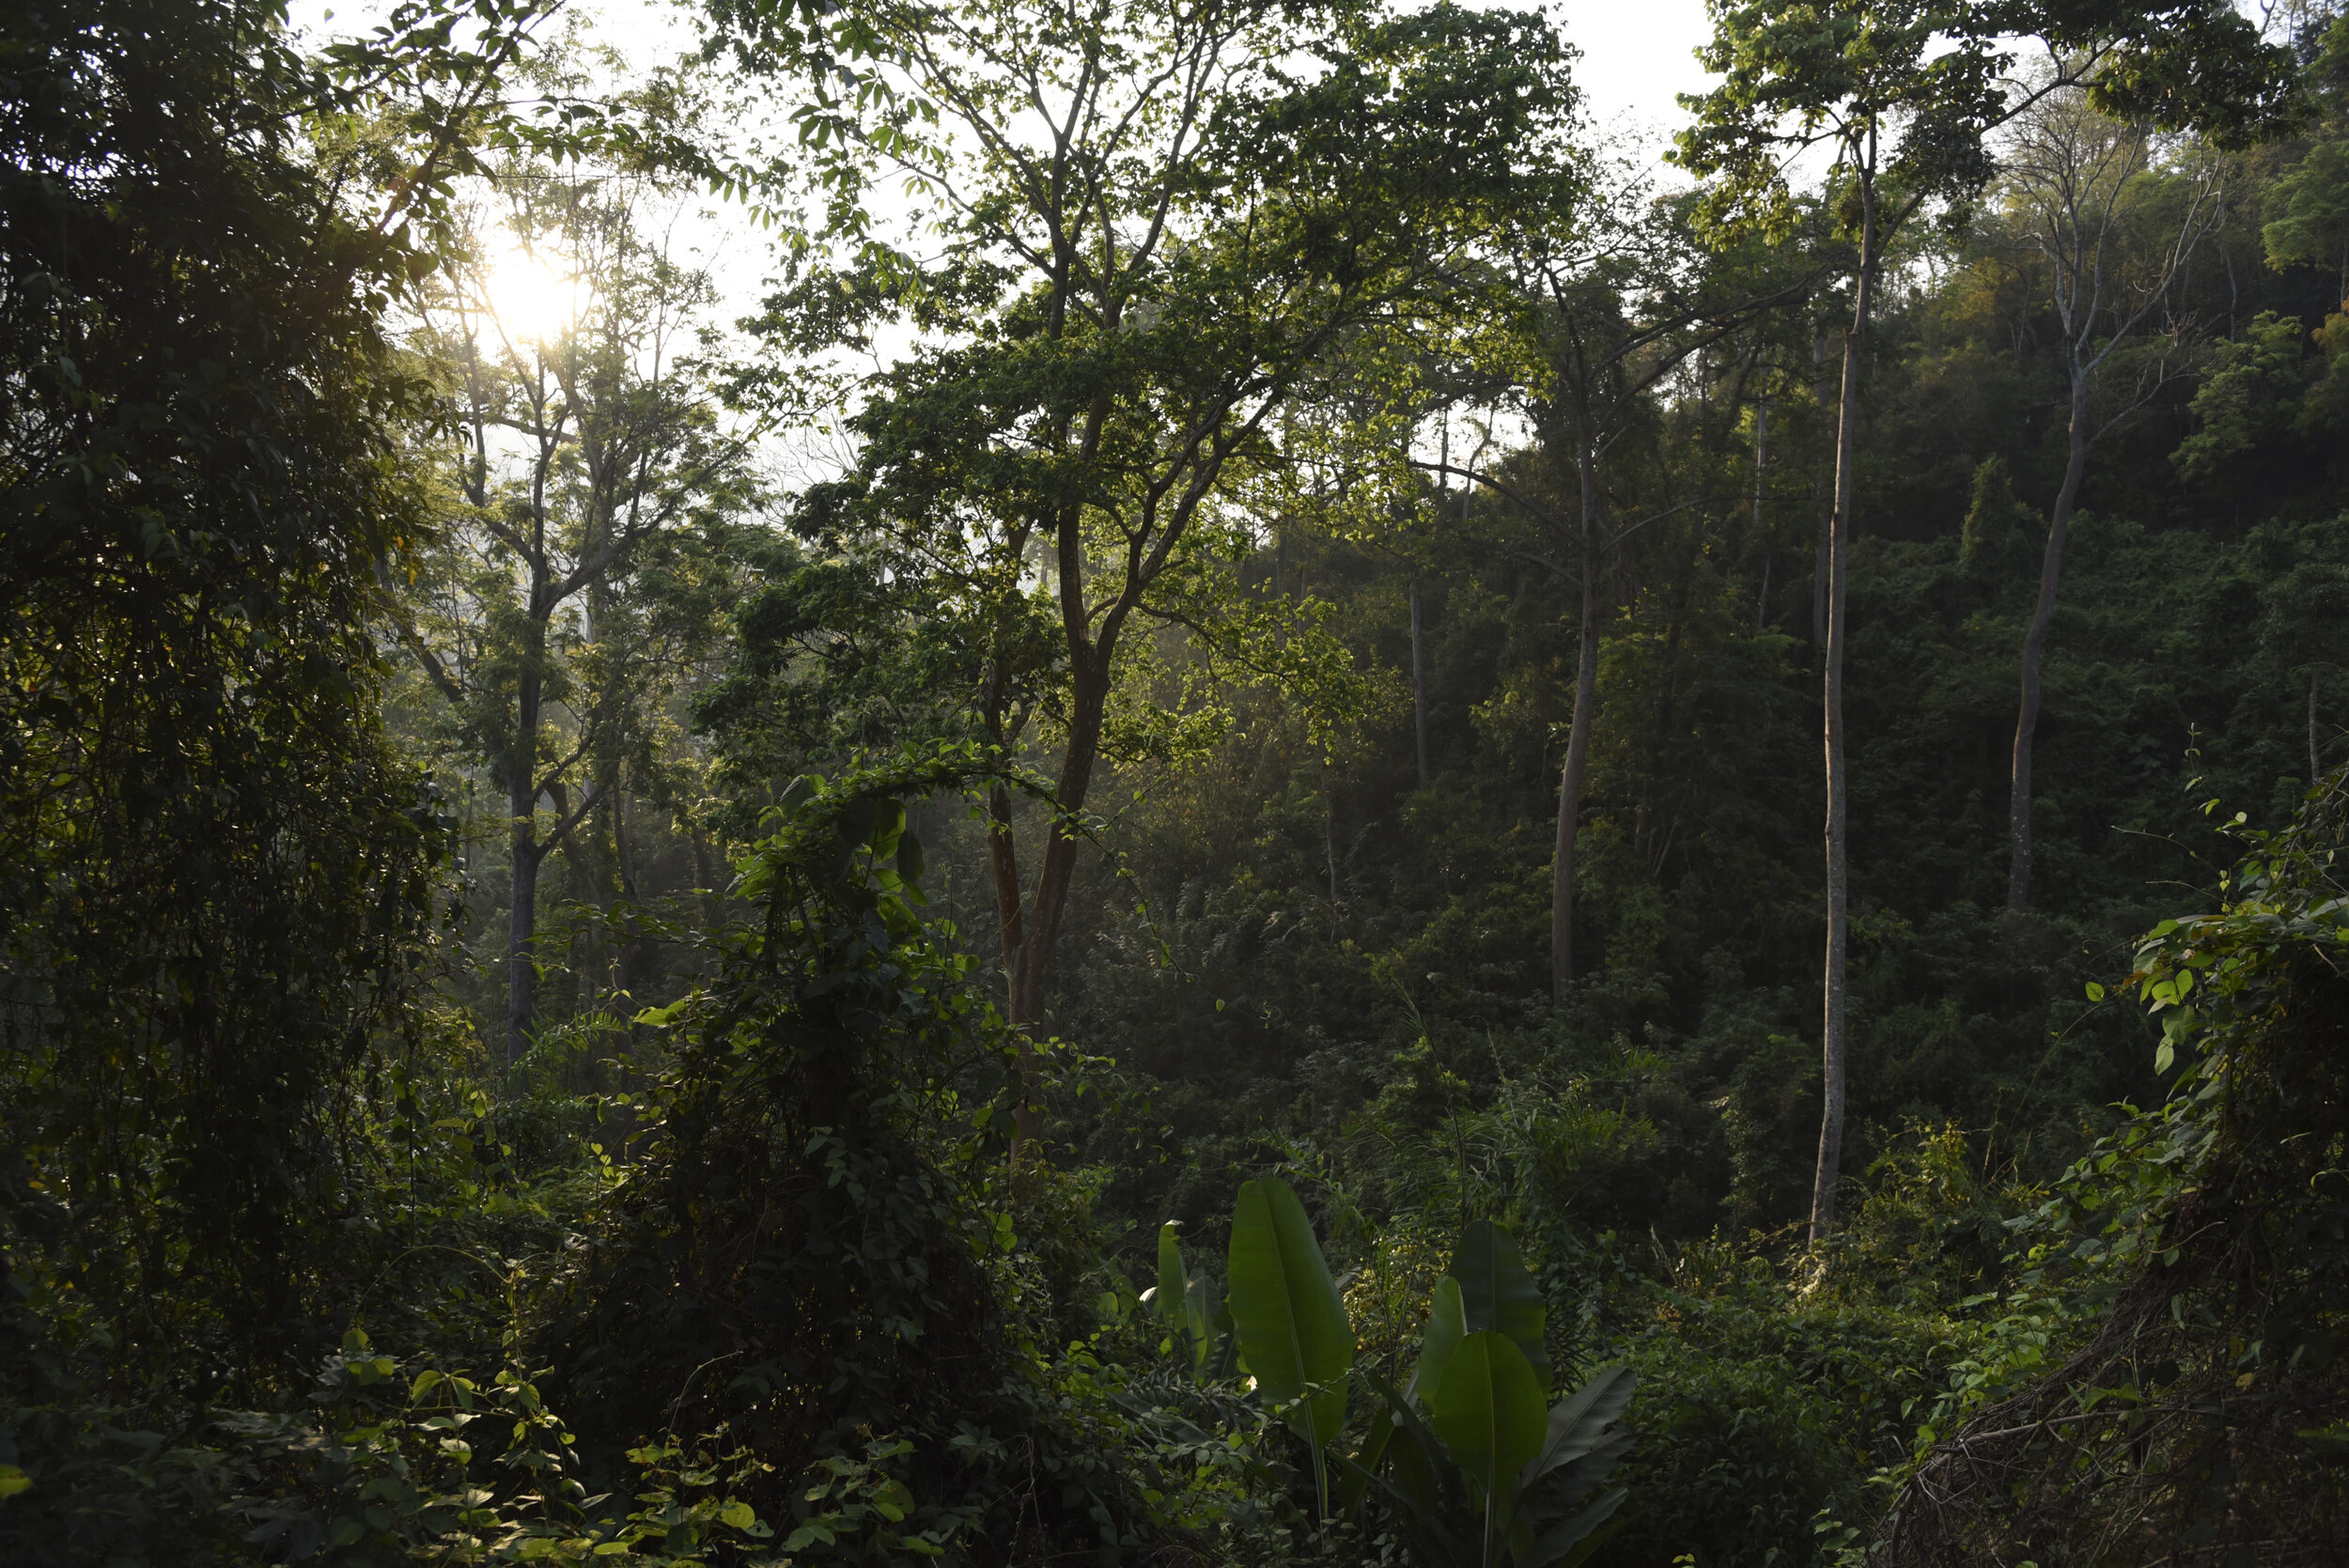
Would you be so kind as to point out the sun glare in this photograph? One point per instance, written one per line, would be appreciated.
(534, 300)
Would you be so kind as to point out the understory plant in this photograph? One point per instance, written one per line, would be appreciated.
(1469, 1462)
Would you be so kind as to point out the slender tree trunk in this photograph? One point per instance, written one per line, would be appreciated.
(1329, 839)
(1028, 944)
(1419, 688)
(703, 880)
(2034, 648)
(623, 857)
(1003, 855)
(1838, 743)
(2316, 760)
(522, 922)
(1761, 470)
(1577, 735)
(1826, 513)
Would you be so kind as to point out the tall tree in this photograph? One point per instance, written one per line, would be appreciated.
(591, 441)
(1612, 298)
(1901, 93)
(217, 878)
(1157, 220)
(2073, 183)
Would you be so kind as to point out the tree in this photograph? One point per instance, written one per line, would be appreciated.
(2308, 206)
(220, 880)
(592, 444)
(1612, 298)
(2302, 617)
(2075, 182)
(1903, 94)
(1157, 222)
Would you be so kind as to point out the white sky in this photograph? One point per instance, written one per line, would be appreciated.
(1637, 55)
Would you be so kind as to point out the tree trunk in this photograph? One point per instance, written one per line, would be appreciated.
(2034, 648)
(1761, 470)
(1577, 735)
(1419, 688)
(1826, 513)
(1329, 841)
(1838, 744)
(623, 857)
(522, 927)
(1027, 943)
(521, 798)
(2316, 760)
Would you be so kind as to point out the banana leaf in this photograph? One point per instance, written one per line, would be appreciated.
(1498, 1294)
(1488, 1410)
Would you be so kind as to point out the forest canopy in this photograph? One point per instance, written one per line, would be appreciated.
(1020, 782)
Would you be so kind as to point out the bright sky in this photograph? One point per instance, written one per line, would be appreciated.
(1636, 53)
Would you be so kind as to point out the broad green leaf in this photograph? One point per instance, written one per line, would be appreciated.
(1203, 1309)
(1498, 1295)
(1292, 1325)
(1447, 1325)
(1578, 1424)
(1488, 1409)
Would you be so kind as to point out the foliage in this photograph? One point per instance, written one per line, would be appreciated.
(1292, 1328)
(221, 874)
(805, 1222)
(2166, 1369)
(1477, 1469)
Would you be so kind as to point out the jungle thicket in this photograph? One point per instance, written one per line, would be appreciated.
(1287, 812)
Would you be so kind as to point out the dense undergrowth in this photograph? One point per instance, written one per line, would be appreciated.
(487, 1082)
(786, 1299)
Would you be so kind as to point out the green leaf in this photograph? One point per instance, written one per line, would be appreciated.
(1447, 1325)
(2096, 992)
(1498, 1295)
(1578, 1424)
(13, 1480)
(1203, 1310)
(1292, 1325)
(1488, 1409)
(738, 1514)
